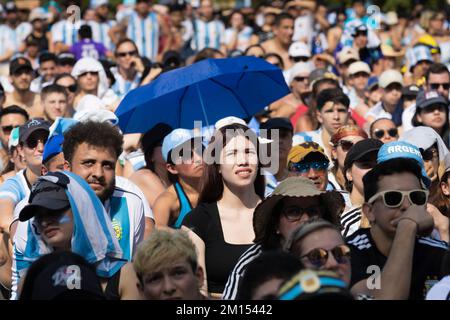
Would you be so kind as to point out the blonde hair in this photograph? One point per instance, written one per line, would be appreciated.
(161, 249)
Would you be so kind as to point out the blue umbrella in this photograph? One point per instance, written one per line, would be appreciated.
(205, 91)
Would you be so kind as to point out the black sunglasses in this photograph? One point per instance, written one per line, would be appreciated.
(380, 133)
(128, 53)
(300, 79)
(295, 213)
(92, 73)
(300, 59)
(8, 129)
(32, 142)
(435, 86)
(345, 144)
(72, 88)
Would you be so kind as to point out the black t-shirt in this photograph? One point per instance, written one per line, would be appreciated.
(427, 261)
(220, 257)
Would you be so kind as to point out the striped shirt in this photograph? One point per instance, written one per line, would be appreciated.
(66, 32)
(100, 32)
(209, 34)
(145, 34)
(22, 31)
(243, 38)
(308, 136)
(351, 221)
(232, 286)
(15, 188)
(121, 87)
(7, 39)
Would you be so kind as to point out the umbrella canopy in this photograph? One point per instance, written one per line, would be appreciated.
(205, 91)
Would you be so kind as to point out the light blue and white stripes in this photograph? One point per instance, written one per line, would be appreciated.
(209, 34)
(93, 236)
(66, 32)
(100, 32)
(145, 34)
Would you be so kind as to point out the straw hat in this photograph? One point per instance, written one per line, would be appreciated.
(293, 187)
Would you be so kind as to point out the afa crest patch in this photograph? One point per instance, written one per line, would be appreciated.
(117, 228)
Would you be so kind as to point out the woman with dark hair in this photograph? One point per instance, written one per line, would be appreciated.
(153, 177)
(255, 50)
(294, 201)
(221, 225)
(274, 59)
(432, 111)
(239, 35)
(182, 152)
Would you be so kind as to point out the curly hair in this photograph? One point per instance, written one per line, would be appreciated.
(98, 134)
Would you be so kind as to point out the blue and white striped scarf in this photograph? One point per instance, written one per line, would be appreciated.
(93, 236)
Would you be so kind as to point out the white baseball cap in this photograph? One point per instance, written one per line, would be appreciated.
(388, 77)
(299, 49)
(358, 66)
(235, 120)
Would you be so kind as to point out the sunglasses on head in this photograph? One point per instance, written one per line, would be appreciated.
(305, 167)
(345, 144)
(319, 257)
(394, 198)
(436, 86)
(428, 154)
(295, 213)
(8, 129)
(127, 53)
(380, 133)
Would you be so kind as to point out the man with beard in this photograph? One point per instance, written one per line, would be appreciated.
(91, 150)
(21, 75)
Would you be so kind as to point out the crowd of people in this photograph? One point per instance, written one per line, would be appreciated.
(357, 206)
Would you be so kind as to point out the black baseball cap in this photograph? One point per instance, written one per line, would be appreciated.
(428, 98)
(31, 126)
(155, 135)
(47, 196)
(277, 123)
(62, 275)
(66, 58)
(410, 91)
(361, 149)
(172, 59)
(10, 6)
(19, 64)
(361, 29)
